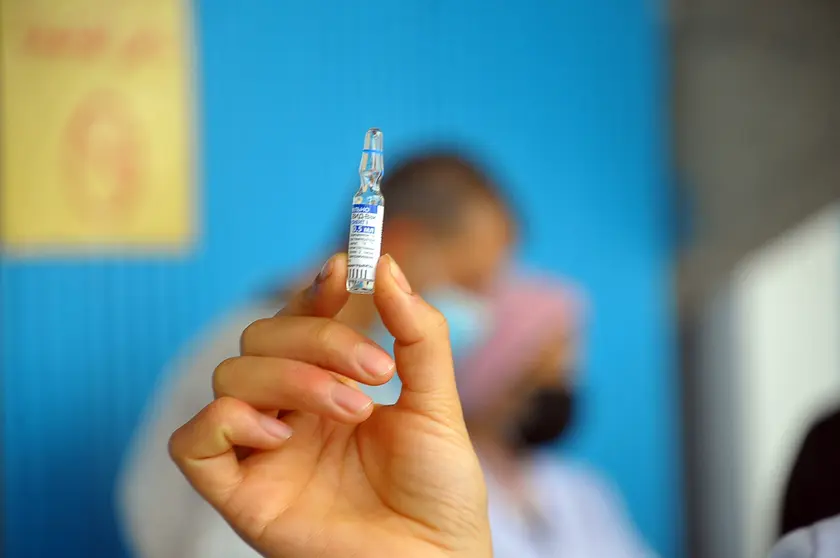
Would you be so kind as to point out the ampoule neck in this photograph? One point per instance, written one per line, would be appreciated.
(372, 165)
(372, 187)
(369, 184)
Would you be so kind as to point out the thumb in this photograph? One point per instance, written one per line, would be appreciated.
(421, 347)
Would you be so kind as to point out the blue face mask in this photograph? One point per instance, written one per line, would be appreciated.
(468, 317)
(469, 325)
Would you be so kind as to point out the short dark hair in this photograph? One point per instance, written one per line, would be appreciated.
(434, 188)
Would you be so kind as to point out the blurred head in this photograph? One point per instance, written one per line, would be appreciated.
(451, 232)
(446, 222)
(516, 386)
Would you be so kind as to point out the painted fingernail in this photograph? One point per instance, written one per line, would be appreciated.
(326, 271)
(350, 399)
(399, 277)
(373, 360)
(275, 428)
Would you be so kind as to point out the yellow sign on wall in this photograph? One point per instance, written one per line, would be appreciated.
(96, 129)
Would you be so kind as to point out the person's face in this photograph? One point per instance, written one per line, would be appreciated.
(474, 255)
(469, 257)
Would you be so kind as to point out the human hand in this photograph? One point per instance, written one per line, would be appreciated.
(335, 475)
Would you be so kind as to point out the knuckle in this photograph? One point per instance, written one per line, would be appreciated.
(313, 399)
(218, 412)
(174, 446)
(320, 392)
(439, 322)
(308, 388)
(251, 333)
(334, 342)
(324, 332)
(331, 342)
(223, 374)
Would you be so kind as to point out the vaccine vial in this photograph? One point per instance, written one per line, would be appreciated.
(366, 218)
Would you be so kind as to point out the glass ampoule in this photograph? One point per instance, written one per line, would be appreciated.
(366, 218)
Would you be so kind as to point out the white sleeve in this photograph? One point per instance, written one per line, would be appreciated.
(594, 508)
(799, 544)
(821, 540)
(161, 515)
(618, 529)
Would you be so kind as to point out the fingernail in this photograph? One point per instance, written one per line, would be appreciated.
(326, 271)
(276, 428)
(399, 277)
(350, 399)
(373, 360)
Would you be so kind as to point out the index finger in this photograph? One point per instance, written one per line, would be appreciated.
(326, 295)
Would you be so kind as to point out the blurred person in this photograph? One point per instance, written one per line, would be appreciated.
(518, 394)
(448, 225)
(812, 493)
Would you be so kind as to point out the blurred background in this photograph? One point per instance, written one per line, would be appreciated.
(162, 161)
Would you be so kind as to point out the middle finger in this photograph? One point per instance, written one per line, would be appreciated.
(322, 342)
(275, 383)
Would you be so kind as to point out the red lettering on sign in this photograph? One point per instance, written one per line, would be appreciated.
(65, 41)
(142, 46)
(103, 157)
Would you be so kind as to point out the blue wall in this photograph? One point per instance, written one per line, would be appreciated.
(563, 97)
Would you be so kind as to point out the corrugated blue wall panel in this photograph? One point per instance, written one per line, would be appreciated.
(565, 100)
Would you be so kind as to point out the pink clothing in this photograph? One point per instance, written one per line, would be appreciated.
(526, 312)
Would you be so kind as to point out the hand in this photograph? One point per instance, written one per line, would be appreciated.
(334, 475)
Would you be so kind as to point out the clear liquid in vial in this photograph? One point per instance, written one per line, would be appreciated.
(366, 218)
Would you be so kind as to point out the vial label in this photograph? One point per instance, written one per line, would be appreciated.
(365, 241)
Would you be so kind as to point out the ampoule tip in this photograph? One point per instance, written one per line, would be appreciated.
(373, 140)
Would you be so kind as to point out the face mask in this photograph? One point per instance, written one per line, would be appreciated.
(544, 419)
(468, 319)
